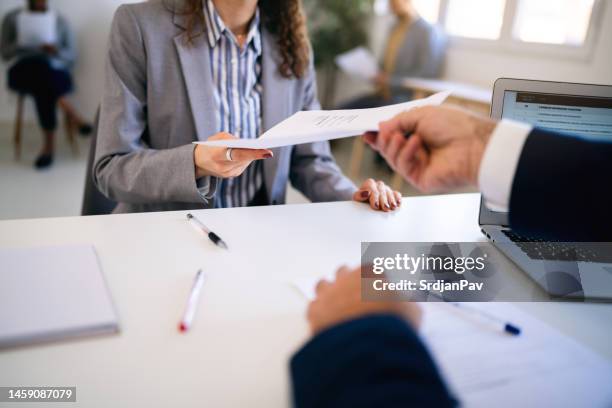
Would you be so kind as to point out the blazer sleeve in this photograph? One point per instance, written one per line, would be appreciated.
(313, 169)
(561, 188)
(431, 47)
(126, 168)
(8, 42)
(375, 361)
(431, 54)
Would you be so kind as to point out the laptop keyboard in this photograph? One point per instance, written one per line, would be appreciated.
(546, 250)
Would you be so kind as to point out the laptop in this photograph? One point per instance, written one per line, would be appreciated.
(576, 271)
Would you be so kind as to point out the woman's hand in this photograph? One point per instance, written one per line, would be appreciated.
(381, 80)
(380, 196)
(49, 49)
(213, 161)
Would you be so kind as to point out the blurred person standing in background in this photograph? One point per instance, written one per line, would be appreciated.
(39, 45)
(415, 48)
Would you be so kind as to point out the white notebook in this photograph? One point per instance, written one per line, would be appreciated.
(52, 293)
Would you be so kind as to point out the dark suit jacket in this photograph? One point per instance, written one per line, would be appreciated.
(375, 361)
(563, 186)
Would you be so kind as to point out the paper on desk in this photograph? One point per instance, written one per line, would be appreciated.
(485, 367)
(358, 62)
(540, 368)
(318, 126)
(307, 285)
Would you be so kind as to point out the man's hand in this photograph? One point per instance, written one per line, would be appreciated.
(434, 148)
(340, 301)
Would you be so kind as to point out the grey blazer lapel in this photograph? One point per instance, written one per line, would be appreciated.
(195, 64)
(276, 106)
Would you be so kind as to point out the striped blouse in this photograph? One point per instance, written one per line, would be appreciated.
(236, 73)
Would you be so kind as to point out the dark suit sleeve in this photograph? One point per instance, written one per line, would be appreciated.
(376, 361)
(562, 188)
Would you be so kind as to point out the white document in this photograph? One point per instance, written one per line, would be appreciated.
(36, 29)
(318, 126)
(52, 293)
(485, 367)
(358, 62)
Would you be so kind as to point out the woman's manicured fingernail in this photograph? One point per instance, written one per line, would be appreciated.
(376, 205)
(365, 194)
(268, 155)
(388, 206)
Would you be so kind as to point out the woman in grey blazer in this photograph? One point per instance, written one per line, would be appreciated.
(186, 70)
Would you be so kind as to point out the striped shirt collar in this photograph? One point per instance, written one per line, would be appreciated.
(216, 27)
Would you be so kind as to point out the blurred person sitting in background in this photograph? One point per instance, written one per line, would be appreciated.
(415, 48)
(39, 45)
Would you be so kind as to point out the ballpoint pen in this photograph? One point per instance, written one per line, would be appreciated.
(192, 302)
(211, 235)
(501, 324)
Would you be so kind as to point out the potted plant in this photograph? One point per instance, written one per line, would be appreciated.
(335, 26)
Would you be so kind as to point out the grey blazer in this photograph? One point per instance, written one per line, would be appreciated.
(10, 50)
(159, 99)
(421, 54)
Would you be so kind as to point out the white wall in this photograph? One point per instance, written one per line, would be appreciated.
(90, 21)
(483, 68)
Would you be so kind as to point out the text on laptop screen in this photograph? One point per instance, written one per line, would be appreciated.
(578, 115)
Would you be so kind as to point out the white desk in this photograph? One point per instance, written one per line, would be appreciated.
(250, 320)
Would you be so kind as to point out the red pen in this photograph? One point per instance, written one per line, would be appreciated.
(192, 302)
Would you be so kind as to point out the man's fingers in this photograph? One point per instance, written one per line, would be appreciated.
(370, 139)
(321, 285)
(246, 155)
(342, 271)
(398, 140)
(407, 158)
(405, 122)
(415, 159)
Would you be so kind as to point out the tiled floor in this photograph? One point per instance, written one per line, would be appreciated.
(27, 193)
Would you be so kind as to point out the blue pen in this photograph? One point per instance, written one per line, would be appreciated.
(503, 325)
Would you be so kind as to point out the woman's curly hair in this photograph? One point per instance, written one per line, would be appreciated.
(284, 19)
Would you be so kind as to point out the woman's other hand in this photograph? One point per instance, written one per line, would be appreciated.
(49, 49)
(381, 80)
(214, 161)
(380, 196)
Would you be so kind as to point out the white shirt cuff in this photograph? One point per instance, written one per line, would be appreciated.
(499, 163)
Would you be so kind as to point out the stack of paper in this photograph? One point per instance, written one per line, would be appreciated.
(52, 293)
(318, 126)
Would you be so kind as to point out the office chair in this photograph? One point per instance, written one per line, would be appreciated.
(94, 202)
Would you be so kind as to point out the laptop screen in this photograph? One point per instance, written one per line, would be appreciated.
(577, 115)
